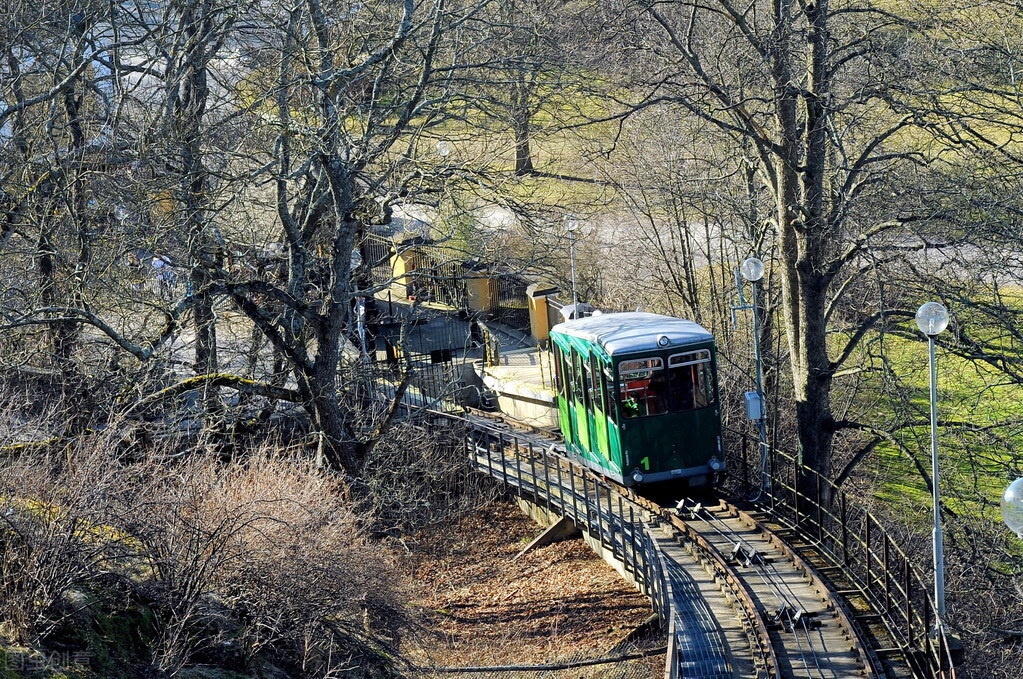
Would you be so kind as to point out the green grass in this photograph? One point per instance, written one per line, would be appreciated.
(975, 465)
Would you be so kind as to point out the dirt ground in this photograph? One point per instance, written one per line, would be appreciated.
(478, 607)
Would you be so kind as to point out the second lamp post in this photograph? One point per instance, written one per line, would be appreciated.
(571, 225)
(752, 269)
(932, 319)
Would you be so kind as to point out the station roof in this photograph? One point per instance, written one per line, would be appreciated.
(634, 331)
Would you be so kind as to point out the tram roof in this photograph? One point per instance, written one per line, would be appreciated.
(634, 331)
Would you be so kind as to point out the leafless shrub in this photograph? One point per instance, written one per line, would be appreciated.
(55, 541)
(229, 564)
(261, 556)
(421, 474)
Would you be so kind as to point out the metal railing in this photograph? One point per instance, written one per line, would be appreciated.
(550, 482)
(852, 539)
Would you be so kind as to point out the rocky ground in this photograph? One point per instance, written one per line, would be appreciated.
(479, 606)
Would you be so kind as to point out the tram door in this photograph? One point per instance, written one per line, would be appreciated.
(563, 380)
(598, 410)
(580, 402)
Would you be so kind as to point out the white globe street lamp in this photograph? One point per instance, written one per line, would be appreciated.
(1012, 507)
(444, 148)
(752, 269)
(932, 319)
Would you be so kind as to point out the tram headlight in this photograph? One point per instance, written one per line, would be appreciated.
(637, 476)
(714, 463)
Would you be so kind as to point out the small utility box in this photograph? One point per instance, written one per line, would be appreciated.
(754, 406)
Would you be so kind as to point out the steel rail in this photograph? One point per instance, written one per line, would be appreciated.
(770, 575)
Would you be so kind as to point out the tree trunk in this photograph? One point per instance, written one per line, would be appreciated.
(804, 235)
(190, 95)
(521, 124)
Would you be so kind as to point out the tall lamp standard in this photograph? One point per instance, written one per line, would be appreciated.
(571, 225)
(752, 269)
(932, 319)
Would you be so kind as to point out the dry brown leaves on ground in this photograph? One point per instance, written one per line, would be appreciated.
(478, 607)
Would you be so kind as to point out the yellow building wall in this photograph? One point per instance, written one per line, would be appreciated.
(482, 293)
(539, 323)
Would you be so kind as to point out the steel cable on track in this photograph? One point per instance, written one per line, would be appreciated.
(789, 614)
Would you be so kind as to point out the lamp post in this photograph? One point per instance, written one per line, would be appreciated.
(752, 269)
(932, 319)
(571, 224)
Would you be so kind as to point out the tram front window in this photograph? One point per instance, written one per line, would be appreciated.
(644, 387)
(690, 383)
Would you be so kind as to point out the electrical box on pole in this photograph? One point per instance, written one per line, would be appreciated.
(754, 406)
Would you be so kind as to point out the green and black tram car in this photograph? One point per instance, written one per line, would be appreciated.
(637, 397)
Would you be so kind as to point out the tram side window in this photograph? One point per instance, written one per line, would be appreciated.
(559, 373)
(578, 386)
(565, 370)
(586, 384)
(608, 382)
(690, 381)
(644, 387)
(596, 388)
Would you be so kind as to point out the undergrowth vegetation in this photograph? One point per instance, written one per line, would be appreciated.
(170, 563)
(165, 558)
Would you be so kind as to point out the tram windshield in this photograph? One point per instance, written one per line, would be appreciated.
(690, 381)
(644, 387)
(647, 388)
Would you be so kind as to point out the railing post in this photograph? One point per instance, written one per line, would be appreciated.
(820, 509)
(490, 460)
(908, 574)
(646, 561)
(744, 467)
(928, 646)
(866, 549)
(586, 504)
(621, 528)
(546, 475)
(532, 472)
(887, 577)
(575, 496)
(632, 541)
(561, 480)
(608, 522)
(795, 491)
(845, 531)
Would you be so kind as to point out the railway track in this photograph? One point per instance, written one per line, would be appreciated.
(736, 600)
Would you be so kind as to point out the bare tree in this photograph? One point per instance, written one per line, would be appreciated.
(824, 102)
